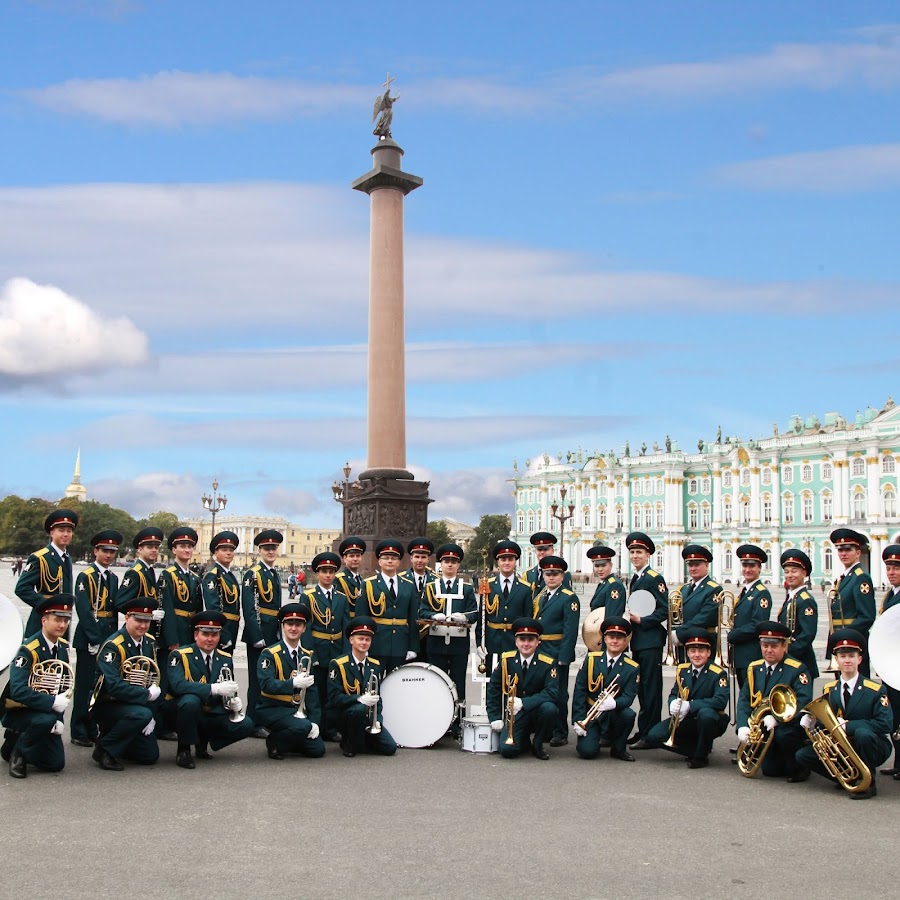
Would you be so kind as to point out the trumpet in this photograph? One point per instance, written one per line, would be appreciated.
(141, 671)
(374, 726)
(834, 749)
(669, 742)
(225, 674)
(595, 712)
(299, 697)
(510, 710)
(676, 620)
(782, 704)
(52, 676)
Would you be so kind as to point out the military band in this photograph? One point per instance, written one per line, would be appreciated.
(221, 589)
(752, 605)
(853, 605)
(179, 590)
(349, 578)
(420, 550)
(799, 613)
(610, 593)
(699, 596)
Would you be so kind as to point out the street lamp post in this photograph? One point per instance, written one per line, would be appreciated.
(558, 512)
(214, 504)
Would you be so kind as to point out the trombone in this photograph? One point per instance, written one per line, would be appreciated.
(676, 620)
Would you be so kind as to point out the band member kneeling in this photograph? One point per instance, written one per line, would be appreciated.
(522, 694)
(286, 705)
(353, 694)
(605, 688)
(697, 704)
(203, 695)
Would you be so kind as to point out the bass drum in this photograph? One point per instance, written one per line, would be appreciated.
(418, 704)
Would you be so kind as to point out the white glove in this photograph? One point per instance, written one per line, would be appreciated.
(158, 615)
(259, 644)
(313, 731)
(841, 721)
(439, 617)
(685, 709)
(410, 654)
(458, 617)
(60, 703)
(303, 681)
(608, 704)
(58, 728)
(675, 640)
(148, 729)
(225, 646)
(769, 723)
(224, 688)
(482, 652)
(807, 721)
(497, 725)
(153, 691)
(367, 699)
(743, 734)
(234, 705)
(674, 705)
(93, 649)
(517, 705)
(579, 731)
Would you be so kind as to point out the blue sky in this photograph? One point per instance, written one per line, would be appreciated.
(637, 220)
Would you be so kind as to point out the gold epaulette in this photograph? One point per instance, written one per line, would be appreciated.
(119, 639)
(759, 587)
(149, 637)
(275, 648)
(185, 651)
(509, 654)
(629, 661)
(307, 652)
(42, 552)
(309, 591)
(758, 662)
(170, 569)
(858, 571)
(524, 581)
(33, 645)
(64, 641)
(793, 663)
(712, 584)
(370, 578)
(256, 567)
(547, 659)
(340, 660)
(596, 652)
(611, 579)
(804, 596)
(374, 661)
(652, 573)
(224, 653)
(567, 591)
(830, 686)
(716, 670)
(682, 666)
(404, 578)
(871, 685)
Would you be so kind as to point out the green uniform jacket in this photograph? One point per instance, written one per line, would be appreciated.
(890, 599)
(275, 671)
(43, 575)
(710, 692)
(110, 686)
(325, 633)
(181, 598)
(752, 606)
(807, 624)
(346, 581)
(540, 685)
(428, 577)
(855, 608)
(187, 675)
(499, 614)
(699, 606)
(869, 704)
(347, 680)
(397, 632)
(535, 577)
(18, 696)
(789, 672)
(611, 595)
(222, 592)
(650, 632)
(260, 601)
(560, 615)
(593, 677)
(463, 601)
(95, 606)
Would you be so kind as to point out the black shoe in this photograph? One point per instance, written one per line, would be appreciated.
(9, 741)
(82, 742)
(733, 751)
(274, 752)
(865, 795)
(896, 776)
(106, 760)
(333, 737)
(892, 771)
(347, 751)
(641, 745)
(167, 736)
(17, 766)
(798, 775)
(559, 741)
(633, 739)
(698, 762)
(185, 760)
(202, 752)
(261, 732)
(624, 755)
(539, 753)
(605, 743)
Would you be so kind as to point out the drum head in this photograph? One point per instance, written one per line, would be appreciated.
(642, 603)
(419, 703)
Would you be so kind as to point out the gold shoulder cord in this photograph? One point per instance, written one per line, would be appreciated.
(53, 583)
(264, 596)
(317, 612)
(376, 608)
(593, 685)
(435, 602)
(347, 688)
(491, 608)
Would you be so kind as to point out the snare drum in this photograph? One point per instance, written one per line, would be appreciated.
(478, 736)
(418, 704)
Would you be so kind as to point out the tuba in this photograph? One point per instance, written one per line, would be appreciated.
(834, 749)
(782, 704)
(225, 674)
(676, 620)
(299, 698)
(374, 726)
(141, 671)
(52, 676)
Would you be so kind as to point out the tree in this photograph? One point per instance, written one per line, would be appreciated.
(22, 524)
(438, 533)
(492, 528)
(160, 519)
(94, 517)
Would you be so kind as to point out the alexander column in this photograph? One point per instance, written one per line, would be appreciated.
(385, 501)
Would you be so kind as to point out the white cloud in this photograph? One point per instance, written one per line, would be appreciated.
(467, 495)
(845, 169)
(292, 503)
(46, 333)
(170, 491)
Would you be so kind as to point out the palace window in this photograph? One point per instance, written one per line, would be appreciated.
(859, 467)
(692, 486)
(620, 517)
(787, 475)
(531, 527)
(648, 517)
(531, 496)
(692, 516)
(728, 559)
(636, 489)
(767, 508)
(787, 509)
(745, 512)
(726, 478)
(635, 515)
(888, 466)
(726, 510)
(745, 477)
(704, 486)
(659, 560)
(586, 517)
(827, 507)
(806, 473)
(859, 505)
(705, 515)
(520, 522)
(889, 503)
(828, 559)
(766, 477)
(659, 516)
(826, 471)
(807, 507)
(601, 518)
(659, 486)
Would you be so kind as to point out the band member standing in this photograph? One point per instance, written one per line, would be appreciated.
(34, 718)
(775, 668)
(124, 712)
(350, 579)
(799, 612)
(221, 589)
(288, 702)
(751, 606)
(698, 596)
(601, 670)
(697, 701)
(648, 636)
(451, 605)
(330, 610)
(862, 709)
(420, 551)
(95, 598)
(521, 695)
(179, 590)
(391, 601)
(509, 599)
(558, 611)
(891, 558)
(543, 543)
(200, 701)
(610, 592)
(854, 607)
(48, 571)
(357, 708)
(261, 596)
(139, 581)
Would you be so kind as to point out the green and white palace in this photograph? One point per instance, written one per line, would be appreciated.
(788, 490)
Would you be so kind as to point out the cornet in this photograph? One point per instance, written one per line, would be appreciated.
(299, 698)
(236, 715)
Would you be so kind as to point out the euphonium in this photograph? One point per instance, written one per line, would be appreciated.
(299, 698)
(225, 674)
(595, 712)
(510, 711)
(782, 704)
(52, 676)
(140, 670)
(834, 749)
(676, 620)
(374, 726)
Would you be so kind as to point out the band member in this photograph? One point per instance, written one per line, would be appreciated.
(521, 695)
(391, 601)
(751, 606)
(451, 605)
(261, 596)
(698, 596)
(610, 593)
(179, 590)
(648, 636)
(606, 670)
(200, 700)
(697, 703)
(48, 571)
(357, 708)
(854, 607)
(862, 709)
(34, 718)
(558, 610)
(288, 701)
(543, 543)
(139, 582)
(330, 610)
(350, 579)
(799, 612)
(509, 599)
(891, 557)
(221, 589)
(420, 551)
(775, 668)
(95, 598)
(123, 711)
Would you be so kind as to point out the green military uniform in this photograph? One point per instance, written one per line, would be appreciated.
(179, 590)
(348, 581)
(891, 558)
(610, 594)
(854, 607)
(398, 630)
(46, 572)
(221, 591)
(801, 606)
(503, 605)
(261, 596)
(751, 606)
(138, 582)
